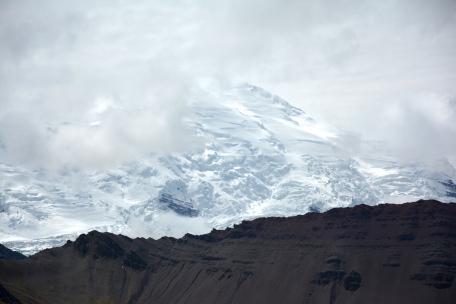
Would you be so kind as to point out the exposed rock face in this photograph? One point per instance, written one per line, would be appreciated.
(384, 254)
(8, 254)
(6, 297)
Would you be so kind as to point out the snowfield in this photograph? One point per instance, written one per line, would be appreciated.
(261, 157)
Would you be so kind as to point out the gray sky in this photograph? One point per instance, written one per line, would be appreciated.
(380, 69)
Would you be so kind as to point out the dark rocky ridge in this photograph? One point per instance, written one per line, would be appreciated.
(8, 254)
(383, 254)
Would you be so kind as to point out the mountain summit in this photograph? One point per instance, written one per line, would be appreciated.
(261, 157)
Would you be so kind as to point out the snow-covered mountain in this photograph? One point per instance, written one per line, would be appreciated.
(261, 157)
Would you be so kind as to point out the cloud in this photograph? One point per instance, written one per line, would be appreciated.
(77, 92)
(93, 83)
(161, 224)
(421, 128)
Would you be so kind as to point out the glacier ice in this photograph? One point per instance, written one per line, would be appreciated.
(261, 157)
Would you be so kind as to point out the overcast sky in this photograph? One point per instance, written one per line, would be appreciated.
(380, 69)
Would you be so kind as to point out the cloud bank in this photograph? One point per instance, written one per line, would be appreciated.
(96, 83)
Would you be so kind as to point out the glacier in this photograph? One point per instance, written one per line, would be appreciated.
(260, 156)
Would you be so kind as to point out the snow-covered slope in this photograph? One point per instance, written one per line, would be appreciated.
(261, 157)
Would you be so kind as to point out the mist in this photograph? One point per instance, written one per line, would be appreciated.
(94, 83)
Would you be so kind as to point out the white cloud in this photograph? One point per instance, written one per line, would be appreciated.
(92, 82)
(420, 128)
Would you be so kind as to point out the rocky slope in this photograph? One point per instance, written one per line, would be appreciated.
(8, 254)
(383, 254)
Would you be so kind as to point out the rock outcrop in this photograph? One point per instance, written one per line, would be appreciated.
(383, 254)
(8, 254)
